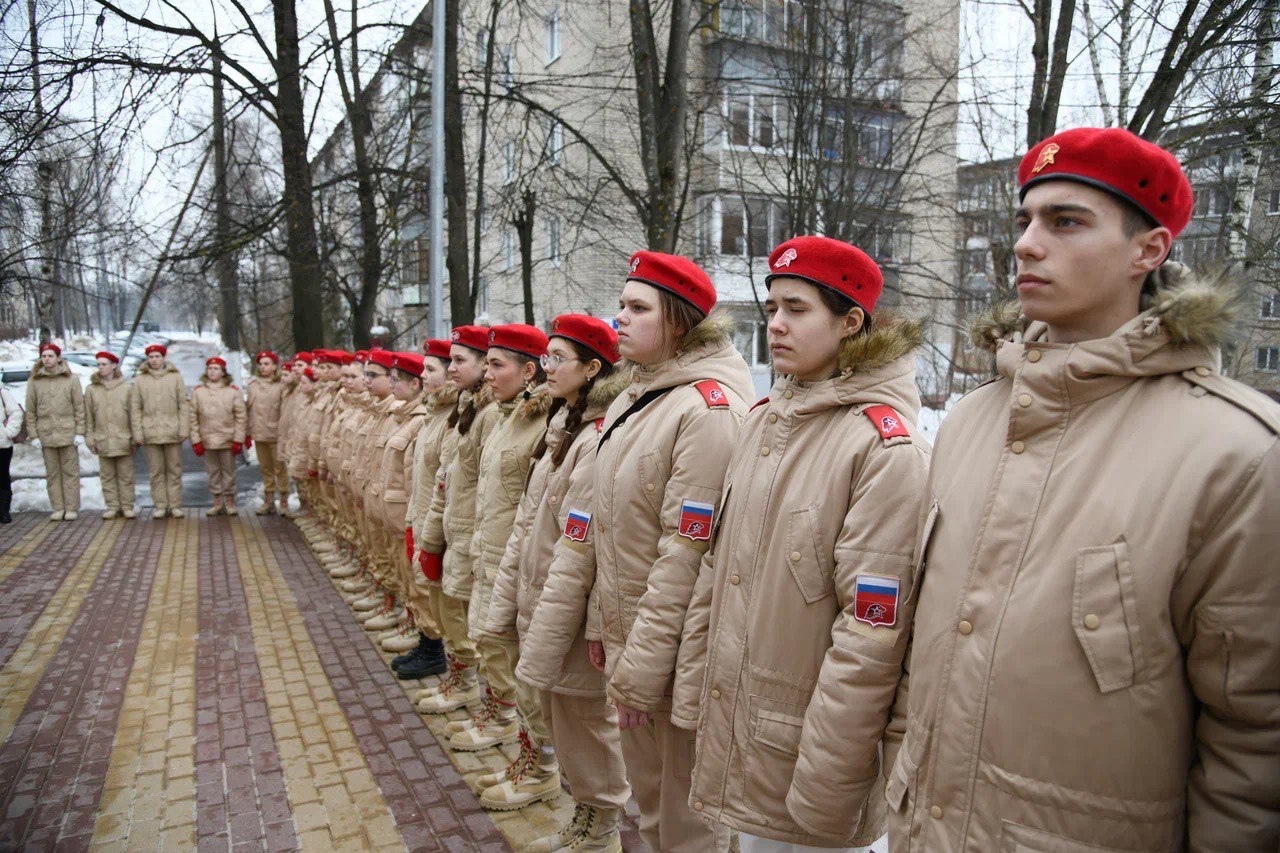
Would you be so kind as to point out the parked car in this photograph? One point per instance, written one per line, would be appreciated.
(15, 371)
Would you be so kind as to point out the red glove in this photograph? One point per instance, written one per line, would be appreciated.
(236, 447)
(408, 543)
(432, 565)
(248, 442)
(198, 447)
(313, 473)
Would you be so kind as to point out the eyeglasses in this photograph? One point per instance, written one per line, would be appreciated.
(372, 375)
(551, 362)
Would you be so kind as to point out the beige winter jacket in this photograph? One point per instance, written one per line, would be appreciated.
(217, 414)
(657, 484)
(262, 408)
(505, 460)
(322, 401)
(541, 598)
(161, 414)
(107, 417)
(370, 443)
(450, 524)
(289, 398)
(299, 462)
(1096, 661)
(55, 406)
(396, 469)
(340, 443)
(802, 651)
(427, 453)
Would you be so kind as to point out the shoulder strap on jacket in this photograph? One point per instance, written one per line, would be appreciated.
(1239, 395)
(644, 400)
(887, 422)
(712, 394)
(758, 403)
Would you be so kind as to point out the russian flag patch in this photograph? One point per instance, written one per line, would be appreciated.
(577, 525)
(875, 600)
(695, 519)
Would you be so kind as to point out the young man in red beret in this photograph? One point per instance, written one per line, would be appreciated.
(1096, 661)
(265, 398)
(55, 416)
(161, 421)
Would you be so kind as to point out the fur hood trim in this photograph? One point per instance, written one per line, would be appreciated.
(96, 379)
(205, 381)
(40, 372)
(892, 337)
(275, 377)
(145, 369)
(536, 405)
(445, 398)
(715, 330)
(609, 388)
(1189, 309)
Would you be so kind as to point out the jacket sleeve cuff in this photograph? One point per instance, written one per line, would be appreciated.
(681, 722)
(631, 701)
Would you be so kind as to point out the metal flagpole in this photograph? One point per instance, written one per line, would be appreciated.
(436, 274)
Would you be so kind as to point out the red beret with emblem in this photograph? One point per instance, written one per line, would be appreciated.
(266, 353)
(1117, 162)
(304, 357)
(677, 275)
(347, 357)
(593, 333)
(833, 264)
(436, 348)
(382, 357)
(309, 373)
(409, 362)
(109, 356)
(476, 337)
(155, 348)
(287, 367)
(517, 337)
(50, 346)
(362, 355)
(218, 360)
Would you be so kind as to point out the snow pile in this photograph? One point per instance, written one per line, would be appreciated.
(30, 492)
(24, 352)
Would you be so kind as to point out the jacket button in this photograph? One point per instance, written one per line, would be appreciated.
(715, 694)
(735, 580)
(935, 812)
(1033, 356)
(1017, 447)
(795, 556)
(1092, 621)
(697, 805)
(789, 394)
(1202, 371)
(554, 499)
(1024, 400)
(965, 627)
(773, 417)
(764, 451)
(648, 487)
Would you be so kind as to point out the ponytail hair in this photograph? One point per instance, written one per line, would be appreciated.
(464, 413)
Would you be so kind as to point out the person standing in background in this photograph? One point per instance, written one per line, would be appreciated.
(14, 418)
(55, 412)
(109, 434)
(217, 432)
(263, 411)
(161, 421)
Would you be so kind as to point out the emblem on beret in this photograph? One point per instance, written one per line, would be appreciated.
(635, 265)
(555, 324)
(1046, 157)
(492, 336)
(456, 336)
(787, 257)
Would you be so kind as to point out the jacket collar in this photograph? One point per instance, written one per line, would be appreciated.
(705, 353)
(59, 369)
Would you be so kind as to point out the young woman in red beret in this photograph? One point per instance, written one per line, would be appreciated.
(541, 597)
(55, 416)
(289, 378)
(809, 571)
(263, 411)
(514, 425)
(161, 421)
(449, 527)
(217, 432)
(109, 433)
(656, 489)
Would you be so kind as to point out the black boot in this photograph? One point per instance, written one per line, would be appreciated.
(432, 662)
(413, 654)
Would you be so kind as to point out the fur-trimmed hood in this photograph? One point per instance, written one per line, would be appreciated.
(225, 381)
(96, 379)
(705, 352)
(39, 371)
(536, 405)
(892, 337)
(145, 369)
(606, 390)
(442, 400)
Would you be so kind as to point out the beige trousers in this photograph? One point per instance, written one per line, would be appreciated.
(528, 699)
(497, 665)
(221, 465)
(275, 478)
(453, 621)
(165, 464)
(62, 476)
(117, 482)
(584, 730)
(659, 759)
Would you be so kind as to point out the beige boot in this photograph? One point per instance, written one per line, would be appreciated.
(110, 514)
(534, 777)
(229, 505)
(600, 833)
(459, 689)
(216, 509)
(130, 513)
(373, 601)
(389, 617)
(268, 504)
(502, 727)
(177, 512)
(565, 835)
(478, 717)
(56, 515)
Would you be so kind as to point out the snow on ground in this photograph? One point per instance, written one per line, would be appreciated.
(30, 492)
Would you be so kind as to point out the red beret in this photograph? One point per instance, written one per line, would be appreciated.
(1116, 161)
(829, 263)
(310, 374)
(382, 358)
(436, 348)
(155, 348)
(476, 337)
(362, 355)
(593, 333)
(51, 347)
(409, 362)
(329, 356)
(266, 353)
(216, 359)
(107, 354)
(304, 357)
(345, 357)
(517, 337)
(677, 275)
(288, 365)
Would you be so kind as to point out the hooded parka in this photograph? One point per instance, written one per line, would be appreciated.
(797, 690)
(396, 477)
(555, 652)
(55, 406)
(263, 408)
(298, 462)
(160, 411)
(289, 399)
(427, 455)
(1096, 659)
(108, 425)
(217, 414)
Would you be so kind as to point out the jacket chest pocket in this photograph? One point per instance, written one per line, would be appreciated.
(1104, 616)
(808, 556)
(512, 470)
(652, 481)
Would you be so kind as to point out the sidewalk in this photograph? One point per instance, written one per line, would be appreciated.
(200, 684)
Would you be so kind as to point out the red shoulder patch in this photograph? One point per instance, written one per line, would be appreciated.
(758, 403)
(887, 422)
(713, 394)
(599, 425)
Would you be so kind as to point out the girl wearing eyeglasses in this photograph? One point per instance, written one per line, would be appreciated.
(217, 432)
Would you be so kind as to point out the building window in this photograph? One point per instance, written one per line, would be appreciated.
(508, 249)
(506, 66)
(752, 343)
(740, 18)
(555, 142)
(482, 296)
(751, 226)
(551, 24)
(751, 119)
(483, 204)
(1270, 306)
(553, 241)
(1267, 359)
(509, 161)
(1273, 202)
(1212, 202)
(482, 47)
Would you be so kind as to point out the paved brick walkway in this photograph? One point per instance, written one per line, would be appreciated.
(200, 684)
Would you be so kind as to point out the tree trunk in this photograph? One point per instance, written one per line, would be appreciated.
(461, 298)
(523, 223)
(228, 286)
(482, 154)
(303, 254)
(1238, 219)
(1050, 68)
